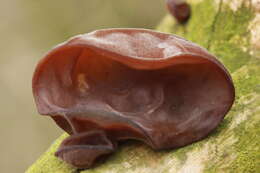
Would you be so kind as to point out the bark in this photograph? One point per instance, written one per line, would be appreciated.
(230, 29)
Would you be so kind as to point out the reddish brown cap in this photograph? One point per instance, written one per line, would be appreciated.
(134, 83)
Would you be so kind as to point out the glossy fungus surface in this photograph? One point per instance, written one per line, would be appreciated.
(118, 84)
(179, 9)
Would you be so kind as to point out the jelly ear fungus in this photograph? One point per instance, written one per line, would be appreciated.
(179, 9)
(117, 84)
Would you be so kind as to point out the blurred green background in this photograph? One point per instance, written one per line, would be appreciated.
(28, 29)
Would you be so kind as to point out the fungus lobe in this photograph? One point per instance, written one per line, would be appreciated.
(117, 84)
(179, 9)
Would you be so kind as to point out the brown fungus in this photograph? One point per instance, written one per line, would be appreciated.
(117, 84)
(179, 9)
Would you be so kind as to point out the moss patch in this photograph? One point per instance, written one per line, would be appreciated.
(49, 163)
(230, 39)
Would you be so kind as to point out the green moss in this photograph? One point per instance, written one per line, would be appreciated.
(49, 163)
(230, 39)
(232, 23)
(227, 52)
(248, 78)
(247, 147)
(138, 155)
(248, 132)
(228, 42)
(201, 24)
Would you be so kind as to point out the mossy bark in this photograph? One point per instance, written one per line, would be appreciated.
(228, 29)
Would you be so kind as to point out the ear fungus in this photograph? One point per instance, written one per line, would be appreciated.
(179, 9)
(118, 84)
